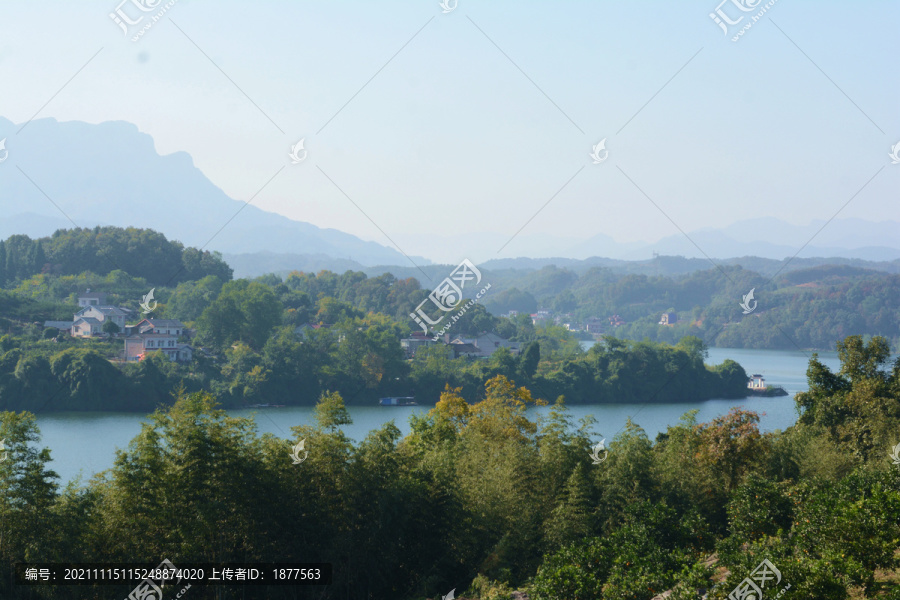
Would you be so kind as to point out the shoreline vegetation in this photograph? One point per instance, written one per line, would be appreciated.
(274, 340)
(480, 498)
(771, 391)
(36, 375)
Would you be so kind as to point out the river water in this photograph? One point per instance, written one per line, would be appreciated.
(85, 443)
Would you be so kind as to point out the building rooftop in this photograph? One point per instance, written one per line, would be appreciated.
(59, 324)
(106, 310)
(87, 320)
(89, 294)
(164, 322)
(151, 336)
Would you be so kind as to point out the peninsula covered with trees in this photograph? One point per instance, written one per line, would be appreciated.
(287, 341)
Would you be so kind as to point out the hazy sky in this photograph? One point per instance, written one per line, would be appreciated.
(470, 122)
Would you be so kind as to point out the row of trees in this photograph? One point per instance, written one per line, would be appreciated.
(480, 498)
(359, 357)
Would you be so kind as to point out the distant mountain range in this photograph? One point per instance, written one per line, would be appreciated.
(261, 263)
(111, 174)
(765, 237)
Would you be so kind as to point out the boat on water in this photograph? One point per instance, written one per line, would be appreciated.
(398, 401)
(264, 406)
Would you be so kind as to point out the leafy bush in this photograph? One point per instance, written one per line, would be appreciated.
(577, 572)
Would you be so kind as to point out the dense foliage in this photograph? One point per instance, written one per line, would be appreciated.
(359, 357)
(248, 348)
(480, 497)
(806, 308)
(140, 252)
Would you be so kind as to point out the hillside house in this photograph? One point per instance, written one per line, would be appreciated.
(541, 317)
(137, 346)
(151, 335)
(102, 314)
(467, 350)
(63, 326)
(419, 339)
(86, 327)
(594, 325)
(89, 298)
(161, 326)
(488, 343)
(668, 318)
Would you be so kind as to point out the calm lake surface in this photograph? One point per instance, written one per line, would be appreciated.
(85, 443)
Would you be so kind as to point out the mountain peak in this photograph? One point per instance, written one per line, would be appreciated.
(110, 173)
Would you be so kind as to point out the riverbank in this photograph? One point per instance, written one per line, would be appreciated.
(86, 442)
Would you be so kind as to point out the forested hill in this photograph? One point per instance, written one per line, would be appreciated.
(809, 307)
(141, 253)
(247, 348)
(802, 303)
(805, 308)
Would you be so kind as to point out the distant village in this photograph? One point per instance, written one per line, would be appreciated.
(484, 345)
(98, 319)
(592, 325)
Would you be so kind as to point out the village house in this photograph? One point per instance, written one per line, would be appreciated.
(541, 317)
(151, 335)
(86, 327)
(419, 339)
(137, 346)
(668, 318)
(461, 349)
(148, 335)
(63, 326)
(594, 325)
(100, 314)
(488, 343)
(89, 298)
(166, 326)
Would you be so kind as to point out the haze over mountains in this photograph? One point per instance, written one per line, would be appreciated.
(111, 174)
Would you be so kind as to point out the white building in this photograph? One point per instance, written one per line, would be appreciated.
(137, 346)
(756, 382)
(102, 314)
(86, 327)
(89, 298)
(167, 326)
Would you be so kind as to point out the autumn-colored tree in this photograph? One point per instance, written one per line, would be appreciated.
(730, 446)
